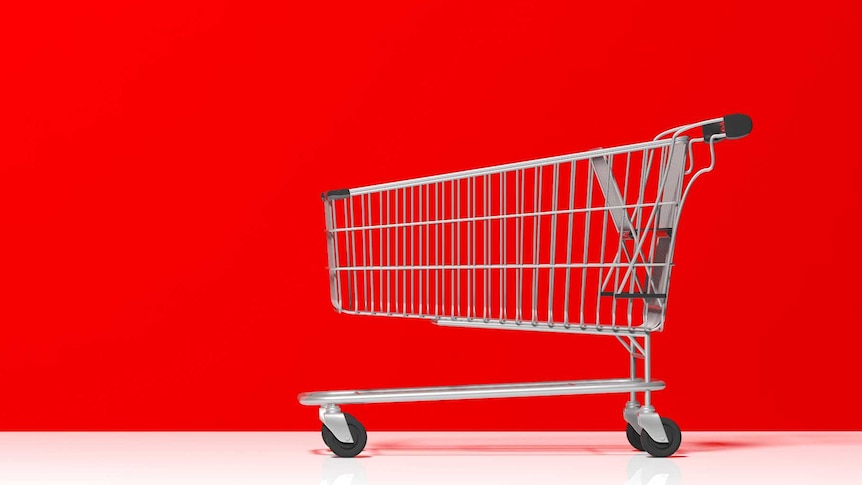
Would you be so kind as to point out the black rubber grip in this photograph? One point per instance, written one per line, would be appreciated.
(737, 126)
(733, 126)
(336, 194)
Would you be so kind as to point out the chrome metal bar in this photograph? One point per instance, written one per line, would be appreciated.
(404, 289)
(482, 391)
(380, 237)
(569, 238)
(632, 366)
(503, 256)
(471, 244)
(678, 130)
(520, 261)
(332, 255)
(537, 222)
(396, 259)
(621, 247)
(452, 253)
(468, 245)
(589, 203)
(388, 256)
(419, 252)
(457, 249)
(428, 248)
(650, 282)
(352, 290)
(476, 251)
(412, 254)
(555, 196)
(646, 165)
(647, 364)
(610, 162)
(541, 326)
(487, 284)
(603, 208)
(467, 267)
(636, 218)
(509, 167)
(652, 219)
(438, 196)
(631, 347)
(365, 244)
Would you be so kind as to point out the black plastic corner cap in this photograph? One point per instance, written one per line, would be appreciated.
(711, 130)
(737, 126)
(336, 194)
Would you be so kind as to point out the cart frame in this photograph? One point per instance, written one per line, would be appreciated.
(641, 227)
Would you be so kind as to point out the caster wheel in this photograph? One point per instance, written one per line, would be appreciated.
(347, 450)
(634, 438)
(674, 437)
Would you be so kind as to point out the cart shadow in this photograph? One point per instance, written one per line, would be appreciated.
(392, 447)
(419, 448)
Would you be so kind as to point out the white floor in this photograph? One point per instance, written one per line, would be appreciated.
(438, 458)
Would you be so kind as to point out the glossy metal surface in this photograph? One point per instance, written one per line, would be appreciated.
(334, 419)
(483, 391)
(566, 242)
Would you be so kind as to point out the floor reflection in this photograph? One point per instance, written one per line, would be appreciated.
(640, 470)
(343, 471)
(501, 458)
(648, 470)
(596, 458)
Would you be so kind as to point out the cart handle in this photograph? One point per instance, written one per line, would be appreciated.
(733, 126)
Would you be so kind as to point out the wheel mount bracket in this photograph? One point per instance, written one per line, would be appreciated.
(332, 417)
(650, 421)
(630, 414)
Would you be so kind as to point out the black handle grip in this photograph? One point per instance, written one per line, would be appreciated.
(733, 126)
(737, 126)
(337, 194)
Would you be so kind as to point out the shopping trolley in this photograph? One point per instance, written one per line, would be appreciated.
(578, 244)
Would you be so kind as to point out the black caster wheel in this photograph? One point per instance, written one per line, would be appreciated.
(674, 437)
(346, 450)
(634, 438)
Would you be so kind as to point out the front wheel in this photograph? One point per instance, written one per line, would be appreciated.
(674, 439)
(634, 438)
(347, 450)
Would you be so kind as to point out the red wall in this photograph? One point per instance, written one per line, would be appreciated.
(162, 259)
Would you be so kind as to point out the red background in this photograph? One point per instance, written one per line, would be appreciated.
(161, 249)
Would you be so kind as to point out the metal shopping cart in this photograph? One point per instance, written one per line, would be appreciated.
(579, 244)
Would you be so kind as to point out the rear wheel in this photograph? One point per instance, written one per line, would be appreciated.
(346, 450)
(674, 439)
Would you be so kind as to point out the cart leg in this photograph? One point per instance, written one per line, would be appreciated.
(630, 413)
(332, 418)
(647, 373)
(648, 419)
